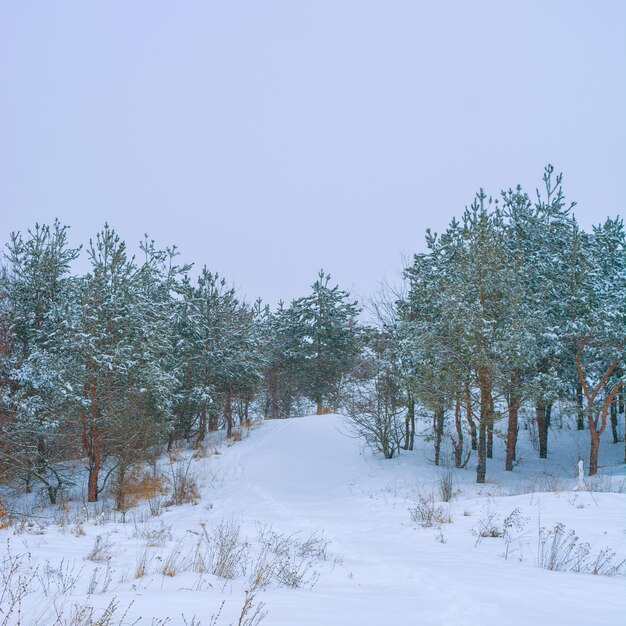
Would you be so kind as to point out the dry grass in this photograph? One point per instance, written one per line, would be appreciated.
(427, 514)
(183, 484)
(139, 485)
(100, 551)
(4, 518)
(143, 561)
(174, 563)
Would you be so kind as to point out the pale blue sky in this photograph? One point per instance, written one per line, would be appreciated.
(268, 139)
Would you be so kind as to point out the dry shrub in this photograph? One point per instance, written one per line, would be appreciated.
(154, 536)
(136, 486)
(143, 561)
(4, 518)
(87, 615)
(236, 435)
(427, 514)
(100, 551)
(228, 553)
(562, 551)
(446, 484)
(17, 577)
(184, 488)
(174, 563)
(251, 614)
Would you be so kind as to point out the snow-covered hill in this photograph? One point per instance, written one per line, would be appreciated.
(355, 554)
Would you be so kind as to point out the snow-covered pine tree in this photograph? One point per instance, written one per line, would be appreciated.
(146, 411)
(537, 238)
(121, 348)
(434, 329)
(597, 328)
(328, 340)
(222, 346)
(37, 288)
(285, 376)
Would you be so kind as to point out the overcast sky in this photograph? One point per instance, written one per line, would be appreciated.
(269, 139)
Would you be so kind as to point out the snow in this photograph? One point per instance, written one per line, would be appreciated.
(307, 475)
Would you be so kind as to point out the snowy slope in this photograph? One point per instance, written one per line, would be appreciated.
(308, 476)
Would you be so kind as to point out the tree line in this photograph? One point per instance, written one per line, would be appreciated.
(135, 354)
(514, 307)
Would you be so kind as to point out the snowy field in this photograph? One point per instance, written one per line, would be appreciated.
(321, 532)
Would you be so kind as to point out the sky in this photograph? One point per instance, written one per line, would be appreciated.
(270, 139)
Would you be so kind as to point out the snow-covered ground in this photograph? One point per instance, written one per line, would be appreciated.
(293, 485)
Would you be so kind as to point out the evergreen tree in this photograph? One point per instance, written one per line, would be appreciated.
(597, 328)
(328, 340)
(121, 348)
(285, 376)
(36, 286)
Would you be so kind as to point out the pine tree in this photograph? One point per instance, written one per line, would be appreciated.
(597, 328)
(36, 286)
(121, 351)
(328, 340)
(537, 238)
(285, 375)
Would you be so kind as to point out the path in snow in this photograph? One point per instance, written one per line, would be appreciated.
(307, 474)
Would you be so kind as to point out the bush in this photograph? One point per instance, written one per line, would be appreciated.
(446, 484)
(561, 551)
(184, 488)
(427, 514)
(101, 550)
(136, 486)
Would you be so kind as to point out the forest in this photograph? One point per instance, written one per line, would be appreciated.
(513, 317)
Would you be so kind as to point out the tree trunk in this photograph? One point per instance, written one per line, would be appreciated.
(597, 422)
(202, 423)
(481, 465)
(542, 429)
(120, 492)
(213, 418)
(468, 414)
(92, 483)
(228, 413)
(438, 428)
(407, 427)
(319, 406)
(41, 455)
(411, 414)
(405, 445)
(490, 439)
(274, 404)
(458, 443)
(614, 420)
(52, 493)
(511, 435)
(91, 442)
(593, 451)
(95, 463)
(580, 410)
(473, 433)
(486, 416)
